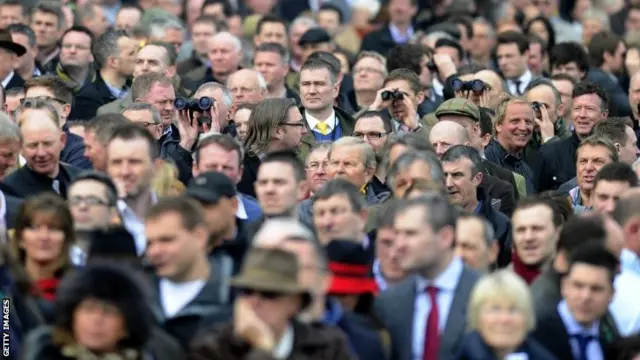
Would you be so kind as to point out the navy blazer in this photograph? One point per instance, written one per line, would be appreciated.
(475, 348)
(12, 207)
(25, 182)
(251, 207)
(90, 97)
(73, 152)
(15, 82)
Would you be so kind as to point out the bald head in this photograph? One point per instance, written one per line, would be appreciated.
(247, 86)
(492, 78)
(446, 134)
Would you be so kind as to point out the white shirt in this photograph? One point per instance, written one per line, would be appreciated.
(446, 284)
(624, 307)
(241, 213)
(437, 87)
(6, 80)
(630, 261)
(594, 351)
(525, 79)
(134, 225)
(284, 347)
(312, 121)
(175, 296)
(77, 256)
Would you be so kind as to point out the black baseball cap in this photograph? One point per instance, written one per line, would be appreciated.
(210, 187)
(314, 36)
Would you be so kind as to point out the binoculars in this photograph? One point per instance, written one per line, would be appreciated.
(191, 104)
(476, 86)
(432, 66)
(392, 95)
(536, 106)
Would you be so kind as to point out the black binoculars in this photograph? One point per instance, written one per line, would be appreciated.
(476, 86)
(392, 95)
(191, 104)
(536, 106)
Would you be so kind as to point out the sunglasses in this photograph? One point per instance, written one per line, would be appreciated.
(269, 295)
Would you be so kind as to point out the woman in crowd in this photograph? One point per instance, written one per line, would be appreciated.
(102, 312)
(541, 26)
(165, 182)
(241, 118)
(501, 315)
(41, 241)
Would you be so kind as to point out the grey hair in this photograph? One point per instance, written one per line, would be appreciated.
(226, 94)
(107, 45)
(409, 158)
(599, 15)
(275, 232)
(437, 35)
(9, 130)
(304, 21)
(458, 152)
(159, 26)
(228, 37)
(140, 106)
(368, 153)
(262, 83)
(319, 146)
(487, 229)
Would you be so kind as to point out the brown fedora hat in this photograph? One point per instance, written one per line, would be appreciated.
(271, 270)
(6, 42)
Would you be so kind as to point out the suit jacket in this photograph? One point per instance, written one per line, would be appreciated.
(12, 207)
(501, 190)
(251, 164)
(24, 182)
(379, 41)
(116, 106)
(475, 348)
(90, 97)
(396, 306)
(551, 333)
(15, 82)
(618, 100)
(347, 123)
(501, 173)
(73, 152)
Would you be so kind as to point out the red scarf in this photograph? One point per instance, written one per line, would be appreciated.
(46, 288)
(527, 272)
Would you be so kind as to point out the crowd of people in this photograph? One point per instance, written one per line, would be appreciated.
(329, 179)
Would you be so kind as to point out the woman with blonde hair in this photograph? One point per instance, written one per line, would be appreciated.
(501, 316)
(165, 182)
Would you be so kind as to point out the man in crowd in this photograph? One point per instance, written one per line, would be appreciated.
(53, 90)
(43, 141)
(114, 54)
(201, 31)
(476, 243)
(626, 215)
(9, 52)
(76, 58)
(132, 155)
(225, 55)
(413, 167)
(272, 61)
(48, 22)
(565, 85)
(92, 200)
(536, 227)
(374, 129)
(247, 86)
(512, 53)
(190, 290)
(97, 133)
(146, 115)
(610, 183)
(425, 233)
(606, 53)
(555, 163)
(24, 35)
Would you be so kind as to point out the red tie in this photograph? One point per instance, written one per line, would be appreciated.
(432, 334)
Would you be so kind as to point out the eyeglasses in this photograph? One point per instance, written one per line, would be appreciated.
(299, 124)
(88, 200)
(370, 135)
(269, 295)
(42, 98)
(314, 166)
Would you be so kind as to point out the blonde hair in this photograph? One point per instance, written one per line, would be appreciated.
(502, 285)
(501, 110)
(165, 182)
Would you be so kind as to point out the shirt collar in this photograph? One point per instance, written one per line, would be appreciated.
(524, 79)
(312, 121)
(572, 326)
(377, 274)
(447, 280)
(241, 213)
(6, 80)
(3, 206)
(118, 93)
(284, 347)
(399, 37)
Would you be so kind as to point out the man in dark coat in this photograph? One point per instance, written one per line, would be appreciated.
(399, 30)
(43, 170)
(9, 78)
(116, 58)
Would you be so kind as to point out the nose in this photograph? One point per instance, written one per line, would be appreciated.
(321, 170)
(448, 181)
(439, 150)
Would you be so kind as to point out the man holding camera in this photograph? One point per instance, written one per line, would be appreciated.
(401, 94)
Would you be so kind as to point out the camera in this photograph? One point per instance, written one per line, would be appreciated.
(476, 86)
(432, 66)
(392, 95)
(195, 106)
(536, 106)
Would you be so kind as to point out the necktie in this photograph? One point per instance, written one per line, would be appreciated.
(517, 83)
(432, 336)
(583, 343)
(323, 128)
